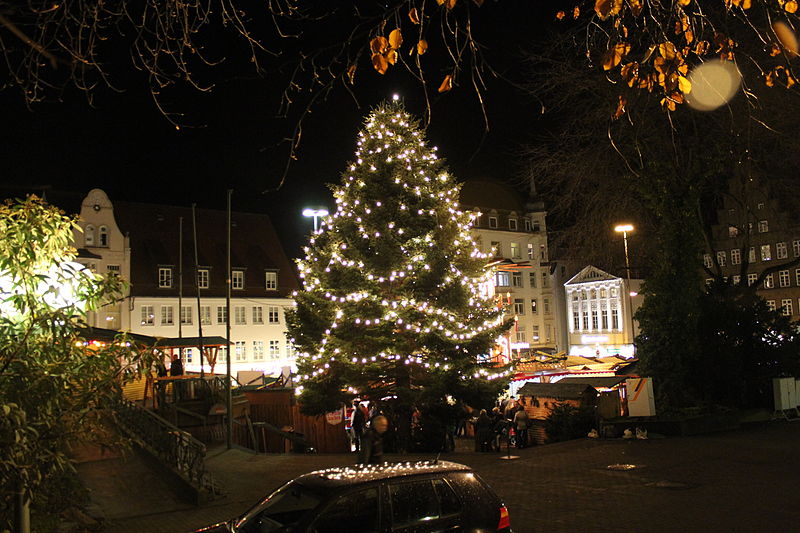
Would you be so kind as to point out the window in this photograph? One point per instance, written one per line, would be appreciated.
(532, 277)
(222, 315)
(166, 315)
(186, 314)
(516, 279)
(595, 323)
(534, 304)
(615, 318)
(502, 279)
(751, 255)
(515, 251)
(781, 251)
(520, 335)
(530, 250)
(737, 279)
(165, 277)
(536, 225)
(535, 333)
(271, 280)
(492, 222)
(202, 278)
(576, 321)
(736, 256)
(707, 261)
(496, 249)
(258, 315)
(751, 279)
(766, 252)
(258, 350)
(189, 354)
(222, 354)
(240, 351)
(148, 318)
(546, 306)
(722, 258)
(512, 224)
(771, 305)
(545, 280)
(272, 315)
(359, 510)
(769, 282)
(239, 315)
(274, 349)
(113, 270)
(760, 205)
(783, 278)
(614, 292)
(527, 224)
(709, 282)
(733, 231)
(542, 252)
(205, 314)
(796, 248)
(88, 235)
(763, 226)
(519, 306)
(797, 277)
(603, 293)
(786, 307)
(585, 316)
(237, 279)
(102, 236)
(604, 318)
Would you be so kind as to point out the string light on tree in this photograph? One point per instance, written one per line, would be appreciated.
(394, 301)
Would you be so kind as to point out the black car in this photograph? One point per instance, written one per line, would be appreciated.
(421, 497)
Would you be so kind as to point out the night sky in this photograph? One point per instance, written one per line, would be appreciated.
(122, 144)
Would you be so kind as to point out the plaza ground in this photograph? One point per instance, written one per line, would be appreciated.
(744, 480)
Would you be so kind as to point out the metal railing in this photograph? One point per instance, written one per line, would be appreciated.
(175, 448)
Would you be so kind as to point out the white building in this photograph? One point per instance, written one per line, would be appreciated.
(600, 310)
(516, 233)
(152, 247)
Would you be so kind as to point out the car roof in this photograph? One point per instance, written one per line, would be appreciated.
(331, 478)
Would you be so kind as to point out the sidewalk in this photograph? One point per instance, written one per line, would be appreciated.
(735, 481)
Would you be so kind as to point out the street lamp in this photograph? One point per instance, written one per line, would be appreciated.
(624, 229)
(315, 213)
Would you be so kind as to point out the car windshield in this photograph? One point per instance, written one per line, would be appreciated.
(280, 511)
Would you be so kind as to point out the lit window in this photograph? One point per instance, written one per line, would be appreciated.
(273, 315)
(258, 315)
(492, 222)
(186, 314)
(737, 279)
(205, 315)
(766, 252)
(274, 349)
(796, 248)
(763, 226)
(784, 280)
(797, 277)
(733, 231)
(751, 279)
(237, 279)
(786, 307)
(722, 258)
(258, 350)
(530, 251)
(239, 315)
(502, 279)
(166, 315)
(707, 260)
(222, 315)
(148, 318)
(271, 280)
(769, 282)
(736, 256)
(515, 251)
(512, 224)
(534, 305)
(202, 278)
(781, 251)
(771, 305)
(165, 277)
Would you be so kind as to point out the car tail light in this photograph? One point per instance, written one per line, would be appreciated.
(505, 521)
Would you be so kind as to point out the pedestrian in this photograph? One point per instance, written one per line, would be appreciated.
(358, 422)
(176, 369)
(498, 427)
(483, 432)
(372, 441)
(521, 420)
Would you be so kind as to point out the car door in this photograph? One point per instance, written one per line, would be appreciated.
(426, 505)
(357, 511)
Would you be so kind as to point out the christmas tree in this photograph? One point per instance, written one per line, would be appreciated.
(397, 299)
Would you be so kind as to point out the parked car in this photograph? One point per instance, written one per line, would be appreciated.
(421, 497)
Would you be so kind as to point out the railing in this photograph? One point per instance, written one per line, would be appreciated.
(176, 449)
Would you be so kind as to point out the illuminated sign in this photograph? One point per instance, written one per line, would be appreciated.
(520, 345)
(588, 339)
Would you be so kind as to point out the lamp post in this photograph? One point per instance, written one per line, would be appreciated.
(624, 229)
(315, 213)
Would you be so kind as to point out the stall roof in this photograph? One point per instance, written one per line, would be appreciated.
(110, 335)
(607, 382)
(191, 342)
(555, 390)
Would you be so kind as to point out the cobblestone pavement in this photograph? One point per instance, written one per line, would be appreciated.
(745, 480)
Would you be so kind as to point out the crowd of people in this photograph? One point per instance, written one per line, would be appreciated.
(508, 422)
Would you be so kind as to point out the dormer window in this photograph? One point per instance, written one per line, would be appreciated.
(237, 279)
(536, 225)
(164, 277)
(512, 224)
(102, 235)
(88, 235)
(271, 280)
(493, 222)
(527, 224)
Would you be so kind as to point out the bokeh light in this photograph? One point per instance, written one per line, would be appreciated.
(714, 83)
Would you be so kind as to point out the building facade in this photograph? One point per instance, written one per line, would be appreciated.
(756, 235)
(600, 309)
(515, 232)
(170, 295)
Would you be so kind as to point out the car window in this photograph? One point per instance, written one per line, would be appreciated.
(356, 512)
(447, 497)
(283, 509)
(413, 502)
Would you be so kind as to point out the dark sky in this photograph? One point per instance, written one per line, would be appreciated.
(123, 145)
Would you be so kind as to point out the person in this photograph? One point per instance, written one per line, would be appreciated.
(483, 432)
(371, 452)
(359, 420)
(161, 386)
(521, 423)
(498, 428)
(176, 369)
